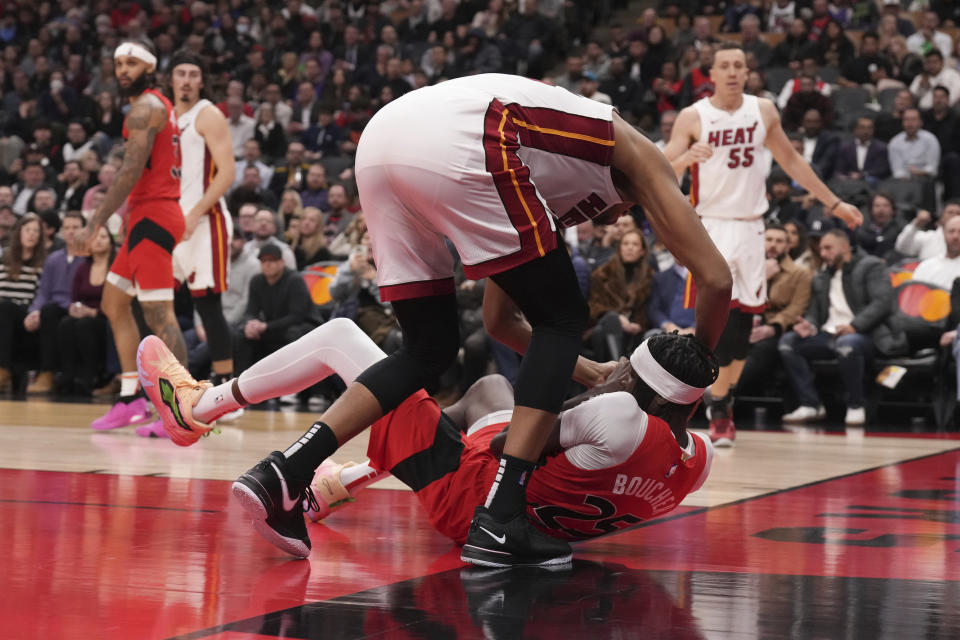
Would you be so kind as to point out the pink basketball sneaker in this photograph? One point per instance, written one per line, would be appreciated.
(330, 492)
(123, 414)
(152, 430)
(172, 390)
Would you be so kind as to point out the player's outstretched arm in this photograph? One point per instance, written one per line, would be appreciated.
(798, 169)
(146, 118)
(213, 127)
(505, 323)
(644, 176)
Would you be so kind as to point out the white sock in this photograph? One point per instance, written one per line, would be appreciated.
(338, 346)
(359, 476)
(129, 383)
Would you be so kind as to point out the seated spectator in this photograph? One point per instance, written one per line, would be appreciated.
(666, 310)
(808, 69)
(7, 220)
(798, 244)
(914, 153)
(835, 46)
(592, 245)
(788, 293)
(589, 88)
(782, 207)
(890, 124)
(243, 267)
(108, 119)
(595, 59)
(780, 15)
(291, 172)
(81, 334)
(315, 186)
(942, 122)
(345, 242)
(880, 228)
(752, 42)
(20, 270)
(249, 191)
(290, 210)
(943, 269)
(863, 157)
(929, 38)
(904, 25)
(241, 126)
(935, 74)
(337, 216)
(619, 293)
(357, 296)
(697, 84)
(278, 310)
(77, 143)
(819, 145)
(252, 158)
(268, 134)
(794, 47)
(52, 302)
(757, 86)
(915, 241)
(323, 139)
(49, 222)
(33, 179)
(572, 75)
(849, 304)
(309, 244)
(72, 184)
(265, 232)
(626, 92)
(805, 99)
(855, 70)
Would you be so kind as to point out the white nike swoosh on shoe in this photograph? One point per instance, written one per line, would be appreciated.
(500, 539)
(288, 503)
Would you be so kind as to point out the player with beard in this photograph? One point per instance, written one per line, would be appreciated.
(202, 257)
(149, 180)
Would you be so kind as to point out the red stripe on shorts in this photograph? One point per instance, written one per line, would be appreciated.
(406, 290)
(564, 133)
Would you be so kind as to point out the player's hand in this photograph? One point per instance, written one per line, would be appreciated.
(190, 224)
(590, 373)
(32, 322)
(849, 214)
(699, 152)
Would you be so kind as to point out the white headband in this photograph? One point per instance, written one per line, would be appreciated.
(134, 50)
(661, 380)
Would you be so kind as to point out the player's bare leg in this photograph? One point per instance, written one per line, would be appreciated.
(132, 408)
(161, 319)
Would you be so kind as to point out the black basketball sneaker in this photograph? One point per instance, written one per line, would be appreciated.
(515, 543)
(275, 500)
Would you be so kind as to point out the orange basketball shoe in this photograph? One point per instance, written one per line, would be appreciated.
(329, 490)
(172, 390)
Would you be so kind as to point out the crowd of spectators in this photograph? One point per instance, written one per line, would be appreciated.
(868, 92)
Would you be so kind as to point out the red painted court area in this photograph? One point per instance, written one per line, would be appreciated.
(104, 556)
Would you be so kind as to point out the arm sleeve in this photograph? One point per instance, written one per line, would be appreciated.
(602, 432)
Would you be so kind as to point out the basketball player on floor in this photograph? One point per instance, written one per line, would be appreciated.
(201, 258)
(149, 180)
(721, 140)
(616, 458)
(495, 163)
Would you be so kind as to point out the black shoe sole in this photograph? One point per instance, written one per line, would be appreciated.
(254, 499)
(482, 557)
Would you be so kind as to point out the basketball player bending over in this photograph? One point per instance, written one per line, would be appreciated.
(722, 139)
(495, 163)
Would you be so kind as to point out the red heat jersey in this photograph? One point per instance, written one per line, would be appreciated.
(161, 175)
(575, 504)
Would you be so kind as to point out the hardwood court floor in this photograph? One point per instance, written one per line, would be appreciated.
(795, 535)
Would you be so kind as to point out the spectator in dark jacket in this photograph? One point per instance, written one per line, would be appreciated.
(666, 310)
(880, 228)
(278, 311)
(849, 304)
(864, 157)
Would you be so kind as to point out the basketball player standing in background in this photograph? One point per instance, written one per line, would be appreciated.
(721, 140)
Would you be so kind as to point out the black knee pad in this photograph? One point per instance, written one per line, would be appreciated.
(431, 339)
(547, 292)
(734, 343)
(210, 311)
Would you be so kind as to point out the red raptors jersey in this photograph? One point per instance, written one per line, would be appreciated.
(161, 175)
(572, 503)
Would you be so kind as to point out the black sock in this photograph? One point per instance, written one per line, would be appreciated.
(313, 447)
(720, 407)
(130, 398)
(508, 496)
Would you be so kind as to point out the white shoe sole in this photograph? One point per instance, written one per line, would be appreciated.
(483, 562)
(255, 509)
(723, 443)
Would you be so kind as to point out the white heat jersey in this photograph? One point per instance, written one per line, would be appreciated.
(732, 182)
(197, 167)
(566, 141)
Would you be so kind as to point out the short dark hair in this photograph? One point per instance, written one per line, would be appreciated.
(940, 87)
(933, 53)
(838, 233)
(186, 56)
(775, 226)
(73, 213)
